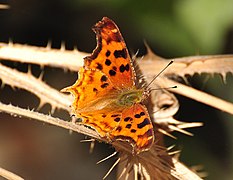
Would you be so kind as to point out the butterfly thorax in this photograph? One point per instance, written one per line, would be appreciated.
(130, 97)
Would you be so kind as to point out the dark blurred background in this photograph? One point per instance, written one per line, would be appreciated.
(171, 28)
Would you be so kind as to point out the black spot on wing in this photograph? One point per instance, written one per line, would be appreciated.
(99, 66)
(145, 122)
(104, 85)
(120, 53)
(128, 119)
(133, 130)
(108, 53)
(137, 115)
(128, 126)
(108, 62)
(104, 78)
(117, 119)
(123, 68)
(142, 113)
(112, 72)
(115, 115)
(127, 67)
(95, 90)
(118, 128)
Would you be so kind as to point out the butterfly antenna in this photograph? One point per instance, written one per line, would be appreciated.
(173, 87)
(159, 74)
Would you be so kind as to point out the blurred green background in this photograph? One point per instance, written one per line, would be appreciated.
(172, 28)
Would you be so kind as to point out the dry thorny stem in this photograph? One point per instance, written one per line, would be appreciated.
(158, 162)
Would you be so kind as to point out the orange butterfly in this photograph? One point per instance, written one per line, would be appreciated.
(107, 96)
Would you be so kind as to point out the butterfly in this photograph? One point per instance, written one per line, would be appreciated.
(107, 96)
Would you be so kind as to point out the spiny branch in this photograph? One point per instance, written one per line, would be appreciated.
(43, 56)
(198, 95)
(36, 86)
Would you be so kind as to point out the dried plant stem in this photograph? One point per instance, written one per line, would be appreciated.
(62, 58)
(4, 6)
(151, 64)
(9, 175)
(17, 111)
(198, 95)
(36, 86)
(220, 64)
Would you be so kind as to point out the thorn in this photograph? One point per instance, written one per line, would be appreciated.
(135, 168)
(10, 42)
(189, 125)
(29, 70)
(41, 66)
(41, 76)
(123, 171)
(150, 52)
(111, 155)
(110, 170)
(40, 105)
(2, 85)
(92, 145)
(166, 133)
(170, 147)
(75, 48)
(49, 45)
(135, 55)
(63, 46)
(174, 128)
(87, 140)
(53, 108)
(174, 152)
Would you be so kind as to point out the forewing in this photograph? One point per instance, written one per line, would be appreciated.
(111, 55)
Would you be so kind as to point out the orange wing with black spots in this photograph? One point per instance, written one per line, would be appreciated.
(111, 55)
(106, 98)
(93, 91)
(131, 124)
(136, 127)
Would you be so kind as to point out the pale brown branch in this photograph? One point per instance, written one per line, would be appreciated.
(197, 95)
(36, 86)
(17, 111)
(211, 64)
(4, 6)
(9, 175)
(43, 56)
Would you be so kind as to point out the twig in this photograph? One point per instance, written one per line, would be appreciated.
(198, 95)
(36, 86)
(9, 175)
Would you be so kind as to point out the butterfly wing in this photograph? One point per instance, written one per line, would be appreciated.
(136, 127)
(111, 55)
(105, 72)
(92, 91)
(132, 124)
(106, 76)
